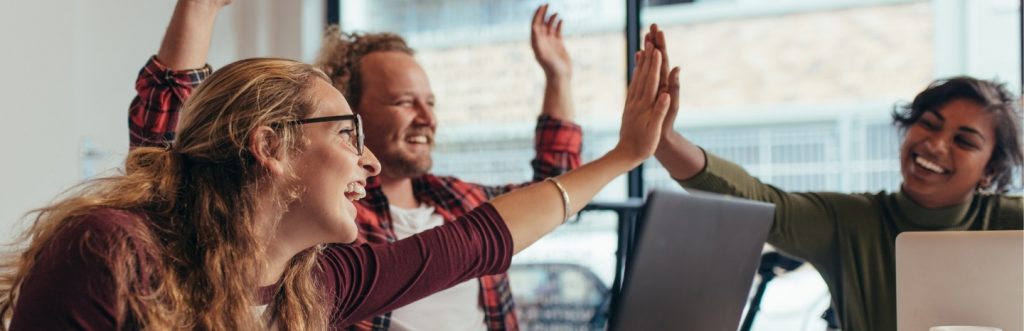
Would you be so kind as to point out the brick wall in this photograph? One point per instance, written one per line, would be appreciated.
(826, 57)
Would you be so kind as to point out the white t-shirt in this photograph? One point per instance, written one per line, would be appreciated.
(455, 309)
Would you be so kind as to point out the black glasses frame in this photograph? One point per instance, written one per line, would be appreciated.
(355, 118)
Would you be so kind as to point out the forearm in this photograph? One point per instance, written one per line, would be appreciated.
(368, 280)
(533, 211)
(680, 157)
(558, 97)
(187, 40)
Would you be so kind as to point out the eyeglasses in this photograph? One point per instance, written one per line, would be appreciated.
(356, 140)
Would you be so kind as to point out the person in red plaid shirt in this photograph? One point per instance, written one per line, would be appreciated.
(385, 85)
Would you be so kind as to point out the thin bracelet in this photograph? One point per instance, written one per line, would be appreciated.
(565, 197)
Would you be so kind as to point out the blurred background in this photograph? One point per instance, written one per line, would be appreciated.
(799, 92)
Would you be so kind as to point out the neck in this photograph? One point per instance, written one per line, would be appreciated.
(932, 203)
(278, 249)
(398, 190)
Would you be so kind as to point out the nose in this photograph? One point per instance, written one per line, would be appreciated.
(936, 144)
(425, 113)
(369, 162)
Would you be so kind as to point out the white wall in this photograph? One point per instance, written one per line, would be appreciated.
(68, 74)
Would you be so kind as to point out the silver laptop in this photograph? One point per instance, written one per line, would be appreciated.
(693, 263)
(960, 278)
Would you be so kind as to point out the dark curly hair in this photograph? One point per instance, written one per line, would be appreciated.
(996, 99)
(341, 54)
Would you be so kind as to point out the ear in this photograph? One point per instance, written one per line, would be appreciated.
(265, 145)
(985, 182)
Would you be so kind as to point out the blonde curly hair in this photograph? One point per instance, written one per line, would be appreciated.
(341, 54)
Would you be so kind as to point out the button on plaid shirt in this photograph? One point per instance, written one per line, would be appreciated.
(153, 117)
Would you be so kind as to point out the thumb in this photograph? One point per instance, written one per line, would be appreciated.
(673, 86)
(661, 109)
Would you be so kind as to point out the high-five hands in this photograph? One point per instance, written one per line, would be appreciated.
(647, 102)
(669, 79)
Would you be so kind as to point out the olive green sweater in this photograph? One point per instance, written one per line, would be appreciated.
(850, 238)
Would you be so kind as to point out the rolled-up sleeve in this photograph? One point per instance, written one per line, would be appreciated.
(153, 114)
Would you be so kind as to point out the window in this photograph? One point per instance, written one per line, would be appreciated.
(489, 91)
(797, 92)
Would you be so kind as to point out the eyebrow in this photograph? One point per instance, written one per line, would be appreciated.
(964, 128)
(407, 93)
(972, 130)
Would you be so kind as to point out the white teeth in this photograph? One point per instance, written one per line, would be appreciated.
(929, 165)
(417, 139)
(355, 191)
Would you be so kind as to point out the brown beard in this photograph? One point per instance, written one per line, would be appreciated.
(396, 165)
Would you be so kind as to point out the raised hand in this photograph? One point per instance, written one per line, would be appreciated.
(680, 157)
(548, 48)
(646, 106)
(669, 79)
(187, 40)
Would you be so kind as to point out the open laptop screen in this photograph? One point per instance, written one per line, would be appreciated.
(960, 278)
(694, 263)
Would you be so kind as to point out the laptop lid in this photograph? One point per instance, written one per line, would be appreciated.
(960, 278)
(693, 263)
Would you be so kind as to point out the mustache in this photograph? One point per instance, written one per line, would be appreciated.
(424, 130)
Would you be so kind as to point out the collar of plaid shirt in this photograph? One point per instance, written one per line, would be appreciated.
(451, 198)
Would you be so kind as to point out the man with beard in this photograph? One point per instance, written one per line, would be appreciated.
(385, 85)
(390, 91)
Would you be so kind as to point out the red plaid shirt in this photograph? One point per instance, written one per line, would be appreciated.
(153, 115)
(153, 118)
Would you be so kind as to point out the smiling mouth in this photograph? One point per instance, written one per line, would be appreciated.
(929, 165)
(355, 191)
(417, 139)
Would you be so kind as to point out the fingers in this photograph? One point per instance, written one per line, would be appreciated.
(660, 45)
(545, 25)
(670, 118)
(662, 106)
(673, 79)
(656, 38)
(650, 71)
(551, 22)
(644, 87)
(642, 77)
(673, 87)
(538, 16)
(660, 113)
(631, 90)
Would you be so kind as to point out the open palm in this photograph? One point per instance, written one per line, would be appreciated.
(548, 48)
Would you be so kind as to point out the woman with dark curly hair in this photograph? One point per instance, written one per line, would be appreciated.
(961, 145)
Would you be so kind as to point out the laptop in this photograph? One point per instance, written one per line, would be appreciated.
(960, 278)
(693, 263)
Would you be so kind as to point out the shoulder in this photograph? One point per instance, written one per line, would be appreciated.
(435, 182)
(1013, 203)
(846, 201)
(1010, 210)
(100, 233)
(105, 223)
(77, 273)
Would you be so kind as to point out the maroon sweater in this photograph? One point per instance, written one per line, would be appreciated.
(71, 288)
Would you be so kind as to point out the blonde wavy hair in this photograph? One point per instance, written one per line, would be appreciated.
(198, 198)
(341, 54)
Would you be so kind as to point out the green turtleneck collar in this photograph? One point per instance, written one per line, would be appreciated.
(918, 217)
